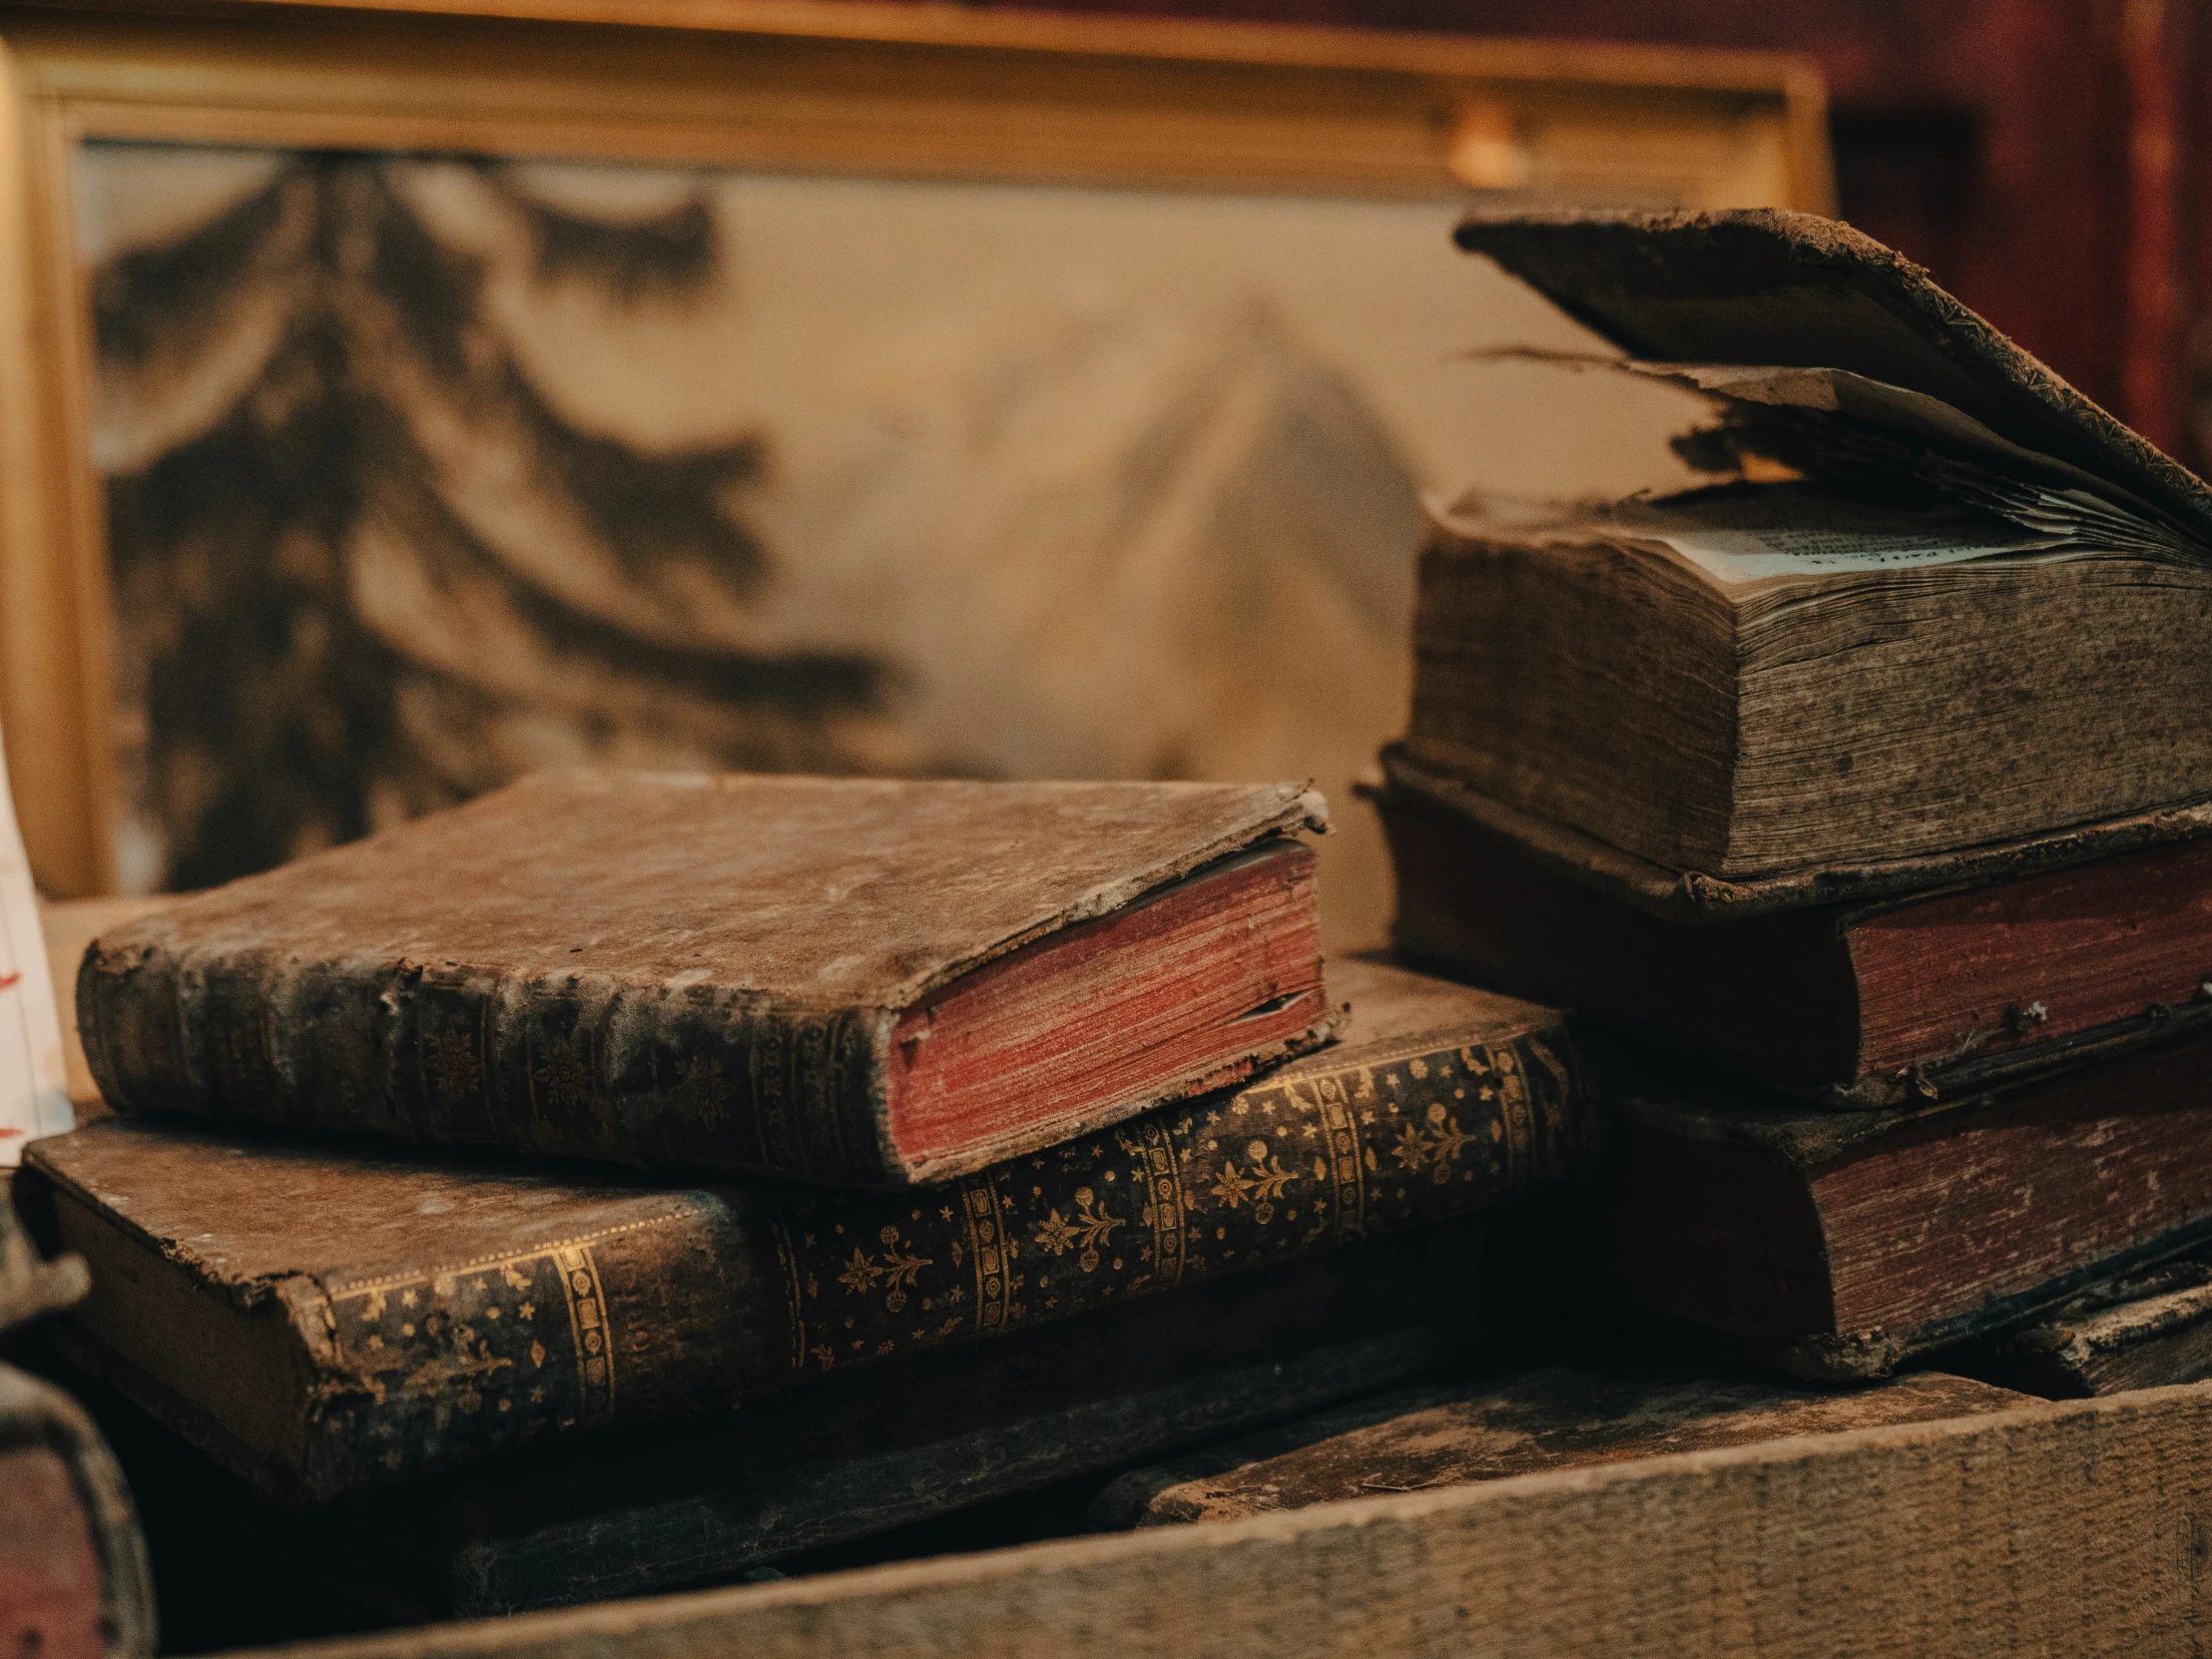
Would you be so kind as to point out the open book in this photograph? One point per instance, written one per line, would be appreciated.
(1938, 601)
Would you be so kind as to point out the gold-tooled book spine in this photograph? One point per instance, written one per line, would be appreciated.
(1391, 1136)
(710, 1296)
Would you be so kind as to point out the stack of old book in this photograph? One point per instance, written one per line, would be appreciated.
(465, 1180)
(1866, 792)
(1859, 808)
(922, 1090)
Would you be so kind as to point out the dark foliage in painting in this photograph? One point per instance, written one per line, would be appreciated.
(665, 256)
(377, 579)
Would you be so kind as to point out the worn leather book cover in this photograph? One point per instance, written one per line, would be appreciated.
(323, 1317)
(1936, 607)
(1442, 1435)
(843, 982)
(1874, 1001)
(1837, 1246)
(954, 1450)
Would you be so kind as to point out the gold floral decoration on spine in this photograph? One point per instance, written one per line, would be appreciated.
(593, 1331)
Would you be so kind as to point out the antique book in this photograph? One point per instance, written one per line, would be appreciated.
(68, 926)
(1837, 1245)
(1872, 1002)
(915, 1447)
(838, 980)
(2148, 1329)
(1940, 600)
(74, 1581)
(323, 1316)
(1438, 1434)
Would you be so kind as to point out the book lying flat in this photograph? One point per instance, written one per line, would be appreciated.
(914, 1447)
(1873, 1002)
(1942, 601)
(1838, 1245)
(2149, 1329)
(844, 981)
(1454, 1435)
(323, 1316)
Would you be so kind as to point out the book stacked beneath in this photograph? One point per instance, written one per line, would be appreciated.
(925, 1090)
(1865, 793)
(1857, 808)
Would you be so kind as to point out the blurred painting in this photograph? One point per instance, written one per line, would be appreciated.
(425, 471)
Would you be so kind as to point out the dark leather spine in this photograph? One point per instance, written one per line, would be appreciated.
(1360, 1141)
(583, 1066)
(637, 1310)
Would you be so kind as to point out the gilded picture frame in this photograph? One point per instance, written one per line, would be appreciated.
(850, 89)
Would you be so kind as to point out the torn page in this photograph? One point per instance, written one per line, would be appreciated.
(1859, 435)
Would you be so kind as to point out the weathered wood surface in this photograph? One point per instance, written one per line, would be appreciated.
(2077, 1528)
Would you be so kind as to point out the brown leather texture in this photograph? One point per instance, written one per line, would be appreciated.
(325, 1316)
(652, 969)
(1838, 1245)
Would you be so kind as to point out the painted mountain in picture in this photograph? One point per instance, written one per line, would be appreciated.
(423, 472)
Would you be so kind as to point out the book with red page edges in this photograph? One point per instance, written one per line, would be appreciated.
(1875, 1002)
(852, 982)
(1839, 1245)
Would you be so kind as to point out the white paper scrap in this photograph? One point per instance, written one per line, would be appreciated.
(34, 1079)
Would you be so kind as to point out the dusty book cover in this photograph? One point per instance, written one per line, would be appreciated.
(1875, 1002)
(322, 1316)
(2149, 1327)
(846, 981)
(662, 1505)
(1924, 566)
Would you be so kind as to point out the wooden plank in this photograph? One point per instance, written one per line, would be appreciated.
(2080, 1528)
